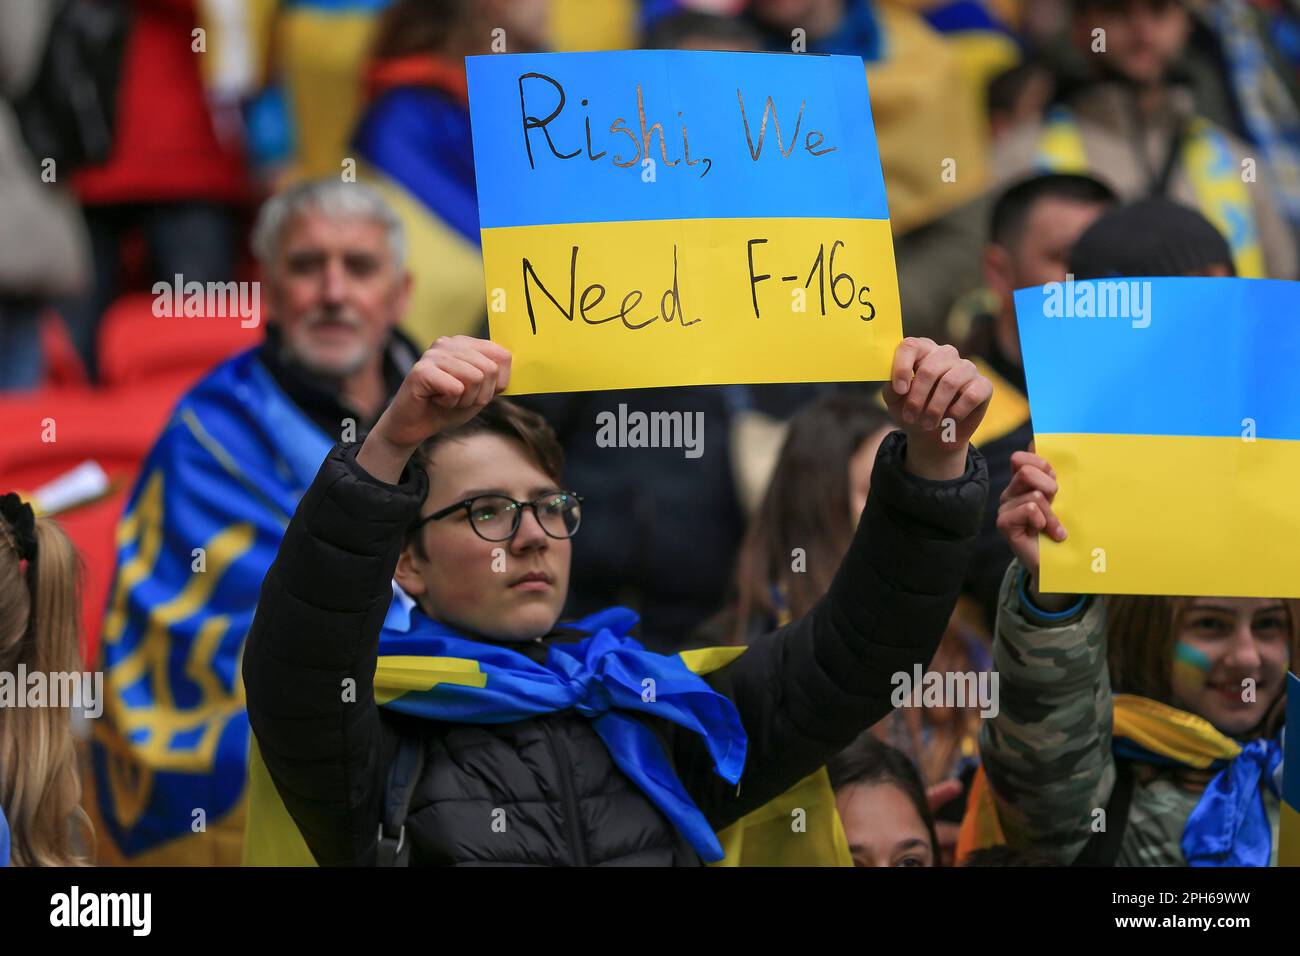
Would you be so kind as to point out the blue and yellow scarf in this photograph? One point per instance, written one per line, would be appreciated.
(1221, 195)
(1229, 826)
(432, 671)
(429, 670)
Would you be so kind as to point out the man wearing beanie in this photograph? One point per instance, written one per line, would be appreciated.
(1153, 237)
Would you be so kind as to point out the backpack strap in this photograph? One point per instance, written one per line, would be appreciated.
(403, 775)
(1160, 183)
(1103, 848)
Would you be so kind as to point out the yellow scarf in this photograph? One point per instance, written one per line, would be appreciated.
(1186, 738)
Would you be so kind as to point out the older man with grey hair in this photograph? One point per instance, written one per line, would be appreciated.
(208, 511)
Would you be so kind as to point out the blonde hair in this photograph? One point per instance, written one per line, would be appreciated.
(40, 788)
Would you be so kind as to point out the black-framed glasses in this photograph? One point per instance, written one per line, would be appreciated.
(497, 517)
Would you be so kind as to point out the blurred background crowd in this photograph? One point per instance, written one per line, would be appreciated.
(139, 139)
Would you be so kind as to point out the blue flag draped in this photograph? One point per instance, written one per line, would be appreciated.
(202, 527)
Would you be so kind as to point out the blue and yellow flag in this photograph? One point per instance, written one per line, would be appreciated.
(321, 48)
(201, 528)
(413, 144)
(655, 218)
(1168, 410)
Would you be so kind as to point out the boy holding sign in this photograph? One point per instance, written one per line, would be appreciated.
(505, 738)
(1178, 766)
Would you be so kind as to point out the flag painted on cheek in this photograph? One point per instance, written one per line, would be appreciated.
(1191, 667)
(657, 218)
(1168, 410)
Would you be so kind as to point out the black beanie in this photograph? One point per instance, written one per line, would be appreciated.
(1153, 237)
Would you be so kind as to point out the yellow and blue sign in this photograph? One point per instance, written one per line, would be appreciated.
(1167, 408)
(657, 218)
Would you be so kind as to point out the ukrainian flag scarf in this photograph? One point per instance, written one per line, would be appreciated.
(428, 670)
(433, 672)
(1208, 161)
(1229, 826)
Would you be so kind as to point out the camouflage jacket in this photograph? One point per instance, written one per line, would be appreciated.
(1047, 753)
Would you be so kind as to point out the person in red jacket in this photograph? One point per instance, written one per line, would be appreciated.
(170, 173)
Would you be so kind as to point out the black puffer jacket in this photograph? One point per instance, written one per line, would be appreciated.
(803, 692)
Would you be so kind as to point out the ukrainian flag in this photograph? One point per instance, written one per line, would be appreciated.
(1167, 408)
(640, 206)
(413, 145)
(169, 757)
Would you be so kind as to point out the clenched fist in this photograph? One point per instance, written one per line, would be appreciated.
(447, 387)
(929, 384)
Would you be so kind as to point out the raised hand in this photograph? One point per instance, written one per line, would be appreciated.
(447, 387)
(1025, 511)
(939, 399)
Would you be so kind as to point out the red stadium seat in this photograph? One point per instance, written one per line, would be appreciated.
(114, 428)
(63, 366)
(137, 346)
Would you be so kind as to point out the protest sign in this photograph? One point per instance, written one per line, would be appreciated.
(1169, 411)
(660, 218)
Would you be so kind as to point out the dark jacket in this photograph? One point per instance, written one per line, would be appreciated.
(803, 692)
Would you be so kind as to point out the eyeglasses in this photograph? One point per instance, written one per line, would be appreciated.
(497, 517)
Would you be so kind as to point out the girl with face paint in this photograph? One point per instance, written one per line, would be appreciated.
(1163, 711)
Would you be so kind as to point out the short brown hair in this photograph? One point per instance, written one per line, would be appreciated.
(511, 421)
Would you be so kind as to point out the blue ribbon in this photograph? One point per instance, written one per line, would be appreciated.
(1229, 825)
(4, 839)
(608, 678)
